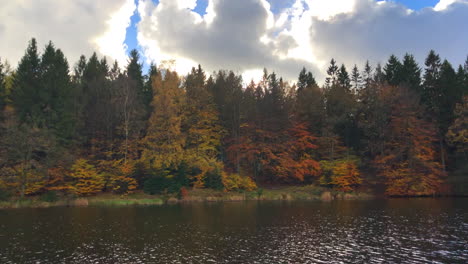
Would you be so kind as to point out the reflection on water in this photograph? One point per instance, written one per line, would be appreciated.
(383, 231)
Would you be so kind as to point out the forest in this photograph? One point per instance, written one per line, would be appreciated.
(399, 129)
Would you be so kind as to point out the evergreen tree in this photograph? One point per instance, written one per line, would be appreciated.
(25, 93)
(379, 75)
(152, 72)
(392, 71)
(79, 70)
(431, 93)
(356, 79)
(410, 74)
(306, 79)
(135, 72)
(115, 71)
(367, 77)
(55, 93)
(2, 87)
(332, 73)
(343, 77)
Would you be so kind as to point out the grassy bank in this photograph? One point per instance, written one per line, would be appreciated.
(303, 193)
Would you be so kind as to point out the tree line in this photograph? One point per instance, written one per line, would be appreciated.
(398, 129)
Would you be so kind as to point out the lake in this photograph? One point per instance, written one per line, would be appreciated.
(375, 231)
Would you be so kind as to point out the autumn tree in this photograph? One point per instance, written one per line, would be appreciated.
(201, 126)
(86, 178)
(26, 154)
(407, 163)
(457, 137)
(341, 174)
(164, 141)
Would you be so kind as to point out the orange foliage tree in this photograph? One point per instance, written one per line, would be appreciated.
(346, 176)
(284, 156)
(408, 163)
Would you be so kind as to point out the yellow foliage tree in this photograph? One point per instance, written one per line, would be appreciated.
(87, 179)
(236, 182)
(122, 182)
(164, 141)
(346, 176)
(202, 127)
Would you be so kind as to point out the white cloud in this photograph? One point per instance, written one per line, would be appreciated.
(375, 31)
(443, 4)
(233, 35)
(245, 36)
(77, 27)
(112, 44)
(327, 9)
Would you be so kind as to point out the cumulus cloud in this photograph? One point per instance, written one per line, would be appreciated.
(77, 27)
(237, 35)
(245, 35)
(375, 31)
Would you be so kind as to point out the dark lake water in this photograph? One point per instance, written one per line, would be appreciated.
(378, 231)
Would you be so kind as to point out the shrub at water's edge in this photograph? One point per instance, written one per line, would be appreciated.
(295, 193)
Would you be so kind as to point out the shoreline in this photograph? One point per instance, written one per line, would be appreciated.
(296, 193)
(302, 193)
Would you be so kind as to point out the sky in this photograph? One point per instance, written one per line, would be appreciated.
(240, 35)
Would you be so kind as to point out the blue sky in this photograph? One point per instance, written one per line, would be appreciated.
(276, 6)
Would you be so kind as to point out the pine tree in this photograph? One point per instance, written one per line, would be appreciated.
(25, 92)
(379, 75)
(306, 79)
(356, 79)
(343, 78)
(55, 93)
(310, 105)
(3, 92)
(135, 72)
(392, 71)
(410, 73)
(431, 93)
(367, 77)
(115, 71)
(332, 73)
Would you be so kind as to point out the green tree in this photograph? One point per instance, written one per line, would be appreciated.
(3, 92)
(332, 73)
(392, 71)
(410, 73)
(306, 79)
(25, 94)
(343, 77)
(55, 93)
(356, 79)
